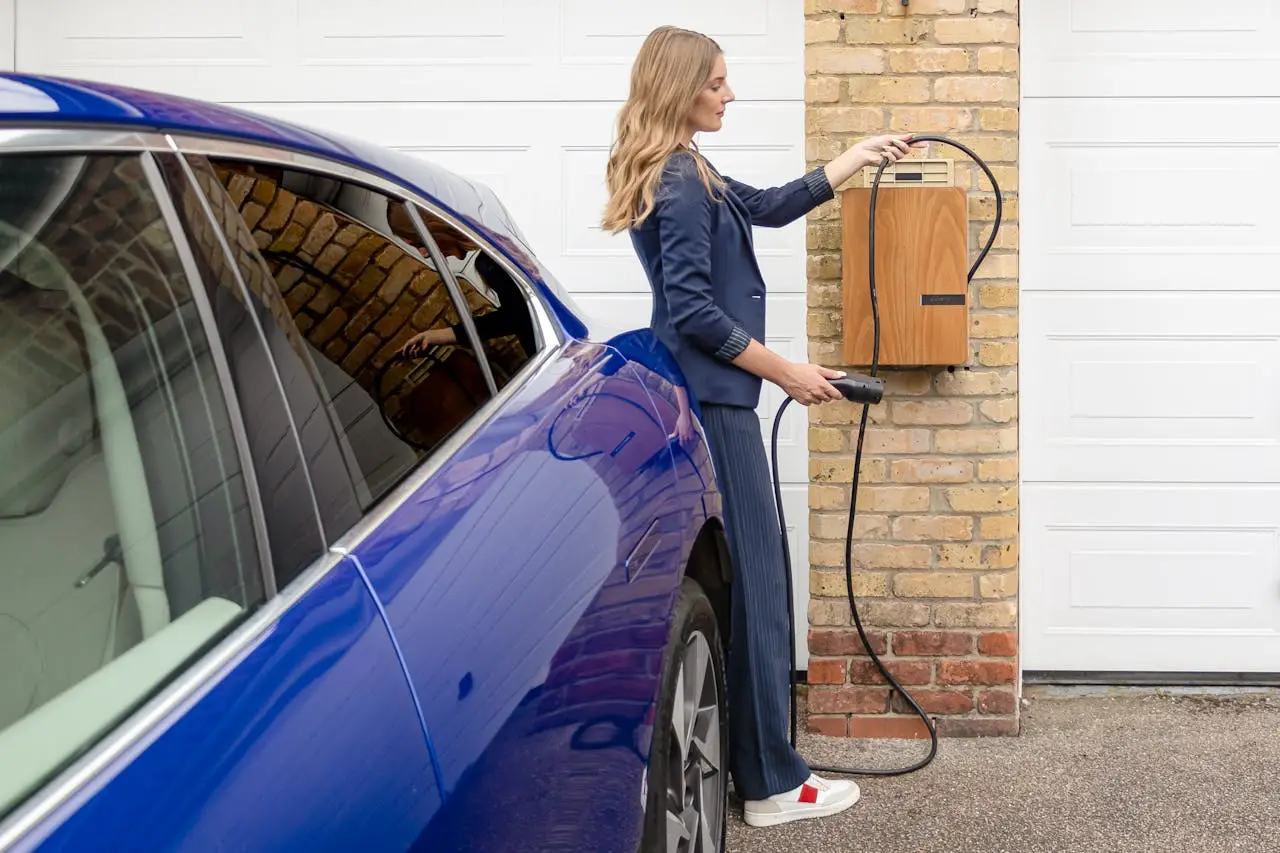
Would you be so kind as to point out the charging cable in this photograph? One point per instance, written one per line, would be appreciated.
(868, 390)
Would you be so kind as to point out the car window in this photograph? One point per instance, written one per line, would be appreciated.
(126, 533)
(356, 292)
(499, 307)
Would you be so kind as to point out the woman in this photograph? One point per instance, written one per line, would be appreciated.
(691, 228)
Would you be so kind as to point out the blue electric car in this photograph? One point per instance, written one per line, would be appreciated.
(325, 524)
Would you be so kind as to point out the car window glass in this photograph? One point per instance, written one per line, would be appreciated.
(499, 307)
(125, 519)
(357, 293)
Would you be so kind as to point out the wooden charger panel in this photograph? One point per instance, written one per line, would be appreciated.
(921, 267)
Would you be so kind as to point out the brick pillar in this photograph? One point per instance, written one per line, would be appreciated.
(937, 552)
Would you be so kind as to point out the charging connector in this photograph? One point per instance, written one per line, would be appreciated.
(868, 390)
(860, 388)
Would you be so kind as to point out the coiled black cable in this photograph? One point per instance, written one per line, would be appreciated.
(857, 468)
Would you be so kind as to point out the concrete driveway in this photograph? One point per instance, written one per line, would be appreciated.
(1124, 771)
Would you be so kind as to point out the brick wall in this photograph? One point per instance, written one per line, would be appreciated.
(937, 552)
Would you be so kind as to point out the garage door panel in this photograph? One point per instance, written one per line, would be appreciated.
(1134, 578)
(1182, 48)
(750, 31)
(272, 51)
(1151, 387)
(150, 20)
(233, 40)
(1127, 200)
(402, 23)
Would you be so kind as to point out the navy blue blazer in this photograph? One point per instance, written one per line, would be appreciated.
(698, 253)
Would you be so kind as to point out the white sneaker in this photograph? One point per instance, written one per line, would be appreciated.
(817, 797)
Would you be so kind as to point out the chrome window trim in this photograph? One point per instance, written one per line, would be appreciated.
(142, 727)
(35, 139)
(178, 236)
(455, 293)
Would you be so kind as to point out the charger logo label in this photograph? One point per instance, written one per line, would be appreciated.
(942, 298)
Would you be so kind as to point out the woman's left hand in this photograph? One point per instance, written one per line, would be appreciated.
(869, 152)
(889, 146)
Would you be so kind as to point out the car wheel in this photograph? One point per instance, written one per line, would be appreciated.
(688, 779)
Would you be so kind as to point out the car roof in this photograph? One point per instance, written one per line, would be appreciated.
(50, 101)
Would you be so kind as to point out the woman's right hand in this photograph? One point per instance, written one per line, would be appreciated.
(808, 385)
(420, 343)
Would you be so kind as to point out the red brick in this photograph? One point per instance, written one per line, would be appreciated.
(848, 700)
(976, 672)
(888, 727)
(919, 643)
(906, 672)
(830, 726)
(1003, 644)
(997, 702)
(846, 642)
(826, 671)
(935, 702)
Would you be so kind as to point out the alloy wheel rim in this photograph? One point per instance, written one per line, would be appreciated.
(696, 778)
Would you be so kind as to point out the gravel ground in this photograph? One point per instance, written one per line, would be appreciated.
(1103, 772)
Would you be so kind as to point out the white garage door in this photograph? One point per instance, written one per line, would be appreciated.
(521, 94)
(1150, 339)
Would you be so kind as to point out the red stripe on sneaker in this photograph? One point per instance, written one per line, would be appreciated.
(808, 793)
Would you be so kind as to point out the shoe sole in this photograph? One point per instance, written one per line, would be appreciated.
(776, 818)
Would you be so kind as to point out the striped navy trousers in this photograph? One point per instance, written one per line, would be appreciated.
(761, 758)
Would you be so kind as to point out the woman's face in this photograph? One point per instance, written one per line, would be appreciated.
(707, 114)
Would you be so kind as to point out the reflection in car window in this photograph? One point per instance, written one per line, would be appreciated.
(357, 293)
(125, 522)
(498, 306)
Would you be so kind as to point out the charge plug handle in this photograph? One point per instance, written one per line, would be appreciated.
(860, 388)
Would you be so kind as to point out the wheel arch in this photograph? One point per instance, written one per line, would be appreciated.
(711, 567)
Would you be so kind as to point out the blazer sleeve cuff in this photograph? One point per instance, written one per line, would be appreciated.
(819, 187)
(735, 345)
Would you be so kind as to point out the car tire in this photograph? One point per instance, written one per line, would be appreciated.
(688, 775)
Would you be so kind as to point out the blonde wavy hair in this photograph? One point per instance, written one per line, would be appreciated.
(670, 70)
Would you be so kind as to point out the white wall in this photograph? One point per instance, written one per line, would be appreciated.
(8, 30)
